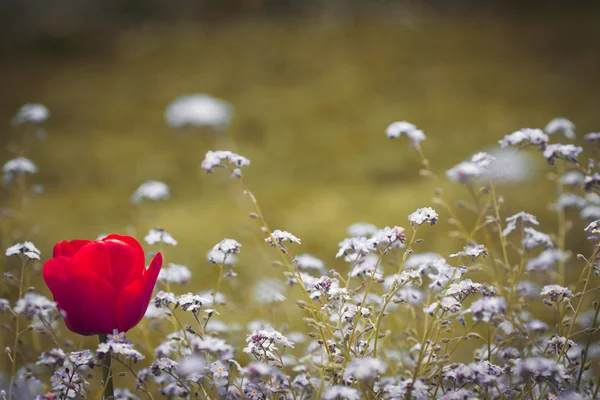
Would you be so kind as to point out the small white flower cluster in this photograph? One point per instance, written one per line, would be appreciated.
(174, 273)
(223, 252)
(26, 249)
(159, 235)
(422, 215)
(278, 238)
(566, 152)
(399, 128)
(525, 218)
(224, 159)
(481, 165)
(525, 137)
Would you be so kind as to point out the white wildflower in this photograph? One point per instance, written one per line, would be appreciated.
(34, 113)
(561, 125)
(27, 249)
(151, 190)
(159, 235)
(198, 110)
(422, 215)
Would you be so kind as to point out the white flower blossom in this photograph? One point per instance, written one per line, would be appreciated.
(399, 128)
(27, 249)
(524, 137)
(175, 273)
(223, 159)
(422, 215)
(34, 113)
(198, 110)
(566, 152)
(158, 235)
(151, 190)
(561, 125)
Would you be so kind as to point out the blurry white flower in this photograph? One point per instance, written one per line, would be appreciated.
(356, 246)
(151, 190)
(570, 200)
(572, 178)
(591, 182)
(525, 218)
(363, 369)
(535, 238)
(368, 267)
(361, 229)
(555, 292)
(157, 235)
(198, 110)
(175, 273)
(223, 158)
(309, 262)
(422, 260)
(592, 137)
(593, 227)
(513, 165)
(269, 291)
(525, 137)
(264, 341)
(339, 392)
(16, 166)
(153, 312)
(34, 113)
(546, 260)
(561, 125)
(464, 172)
(399, 128)
(33, 305)
(422, 215)
(566, 152)
(396, 129)
(483, 309)
(220, 298)
(27, 249)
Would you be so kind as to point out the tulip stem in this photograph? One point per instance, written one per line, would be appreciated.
(107, 377)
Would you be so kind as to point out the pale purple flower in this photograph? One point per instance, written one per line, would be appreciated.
(151, 190)
(555, 292)
(422, 215)
(223, 159)
(535, 238)
(525, 137)
(566, 152)
(563, 125)
(159, 235)
(525, 218)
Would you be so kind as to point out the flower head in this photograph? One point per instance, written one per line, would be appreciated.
(198, 110)
(33, 113)
(151, 190)
(525, 137)
(562, 125)
(422, 215)
(26, 249)
(101, 285)
(399, 128)
(223, 159)
(278, 237)
(566, 152)
(159, 235)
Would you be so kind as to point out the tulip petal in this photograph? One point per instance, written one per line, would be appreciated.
(95, 258)
(134, 298)
(125, 263)
(88, 300)
(68, 249)
(141, 259)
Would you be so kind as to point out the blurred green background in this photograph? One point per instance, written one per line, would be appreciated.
(313, 88)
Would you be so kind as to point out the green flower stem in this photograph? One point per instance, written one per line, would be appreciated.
(107, 377)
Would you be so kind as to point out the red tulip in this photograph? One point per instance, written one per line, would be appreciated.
(101, 285)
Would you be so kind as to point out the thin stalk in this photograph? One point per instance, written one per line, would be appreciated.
(107, 377)
(24, 262)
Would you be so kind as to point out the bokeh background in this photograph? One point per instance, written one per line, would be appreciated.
(313, 85)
